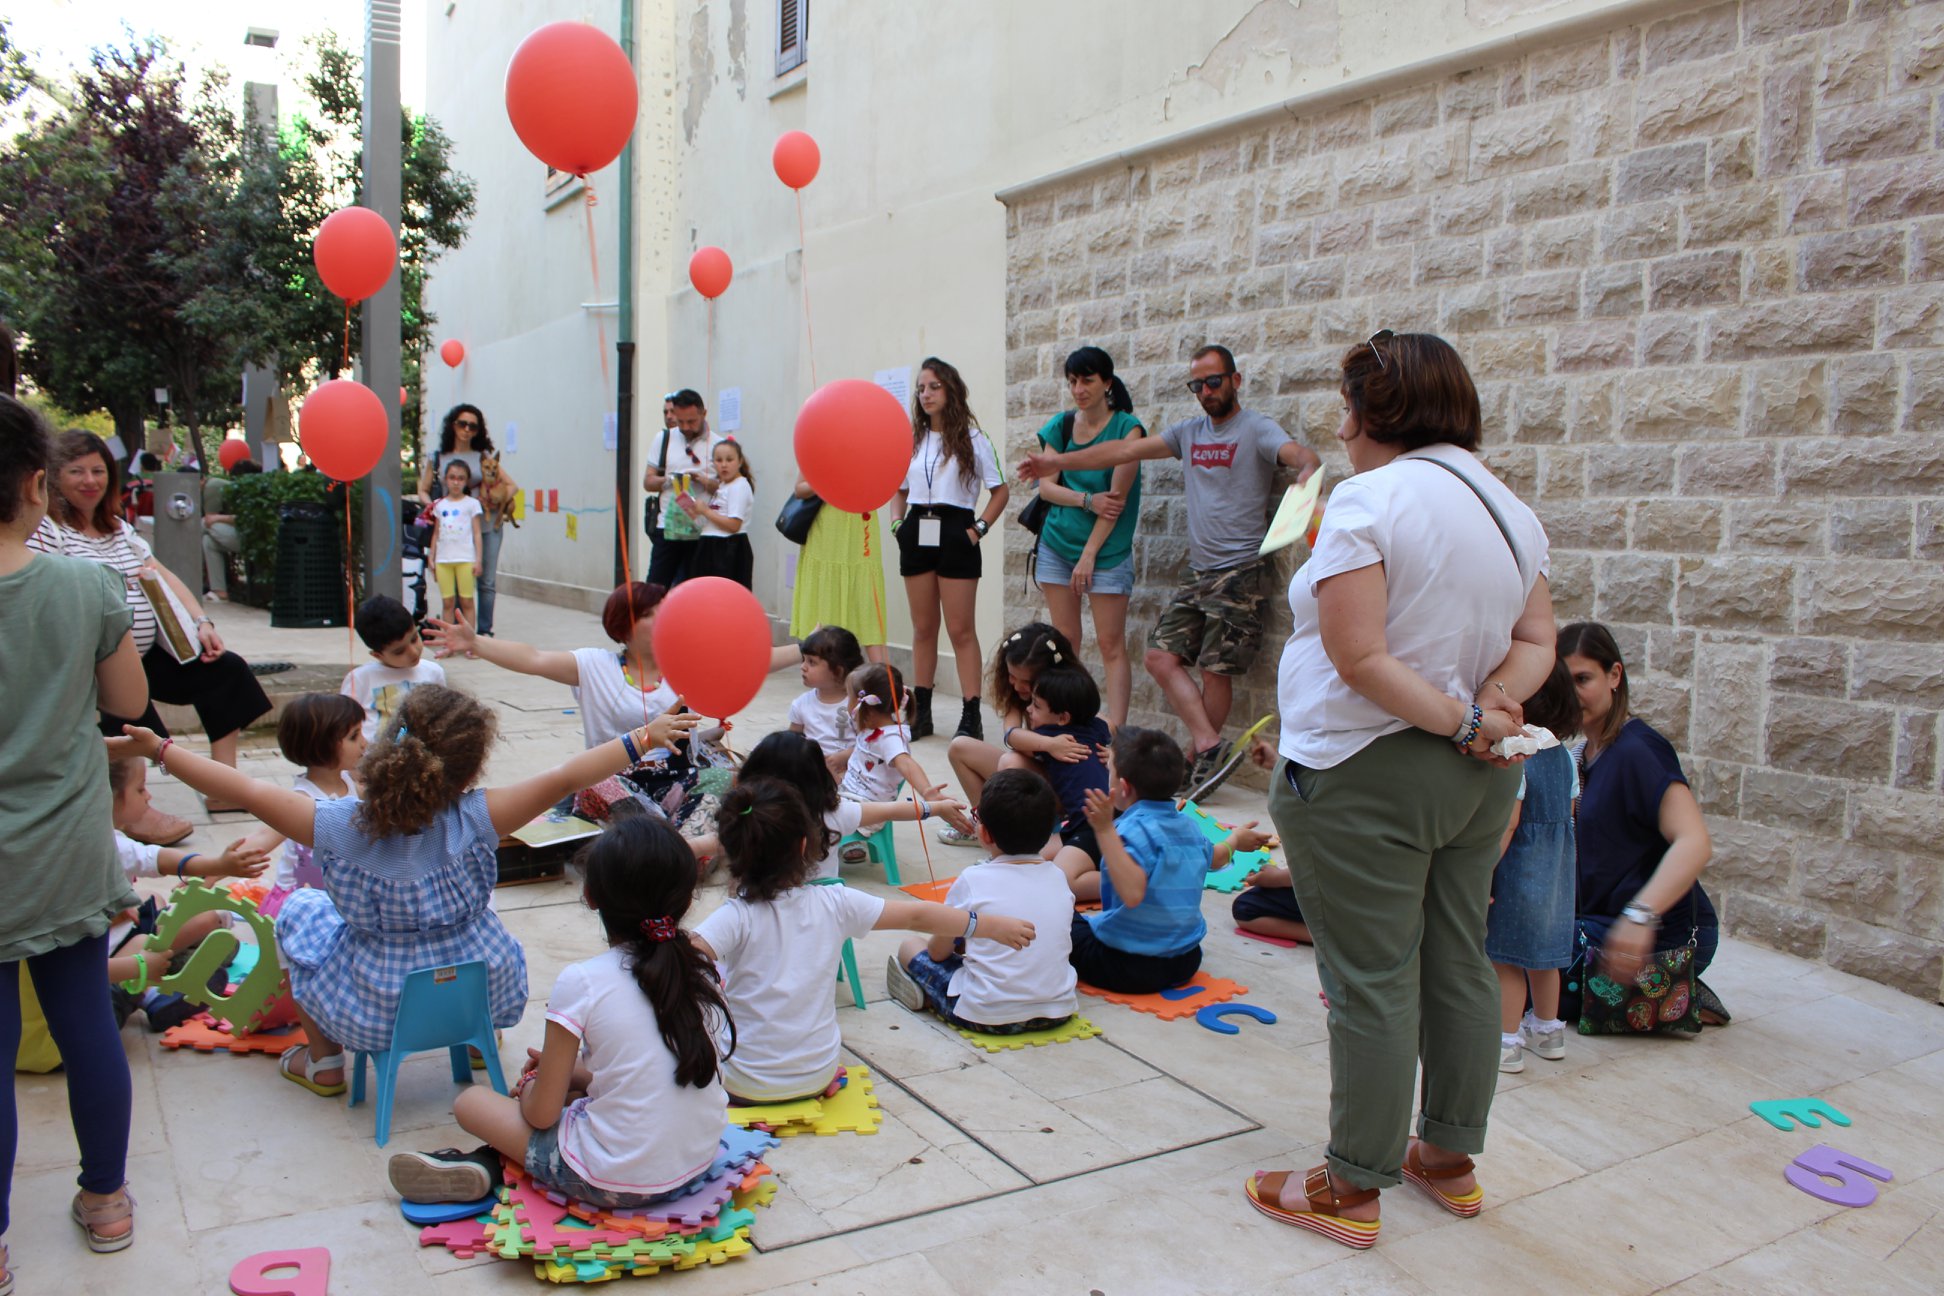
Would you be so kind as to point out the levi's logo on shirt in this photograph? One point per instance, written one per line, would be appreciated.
(1220, 454)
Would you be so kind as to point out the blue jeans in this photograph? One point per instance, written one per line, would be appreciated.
(549, 1170)
(934, 975)
(489, 542)
(72, 984)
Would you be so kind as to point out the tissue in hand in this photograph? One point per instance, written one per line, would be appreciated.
(1530, 743)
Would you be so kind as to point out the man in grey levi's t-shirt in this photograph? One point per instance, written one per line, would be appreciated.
(1213, 620)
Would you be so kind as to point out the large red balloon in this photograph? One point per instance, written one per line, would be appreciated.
(232, 453)
(853, 443)
(355, 252)
(453, 352)
(796, 159)
(570, 93)
(342, 427)
(710, 271)
(712, 642)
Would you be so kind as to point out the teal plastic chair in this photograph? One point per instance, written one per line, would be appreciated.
(440, 1008)
(849, 963)
(878, 846)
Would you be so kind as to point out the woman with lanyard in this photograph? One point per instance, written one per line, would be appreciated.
(84, 521)
(463, 436)
(938, 538)
(1086, 549)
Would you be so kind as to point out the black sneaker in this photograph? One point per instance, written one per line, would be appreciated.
(1206, 772)
(447, 1175)
(169, 1010)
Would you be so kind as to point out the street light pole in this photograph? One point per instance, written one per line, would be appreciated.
(383, 193)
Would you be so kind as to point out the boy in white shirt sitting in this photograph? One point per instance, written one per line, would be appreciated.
(981, 984)
(398, 662)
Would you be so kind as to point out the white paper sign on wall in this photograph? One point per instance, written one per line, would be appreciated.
(729, 409)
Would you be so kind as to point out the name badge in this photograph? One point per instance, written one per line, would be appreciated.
(929, 531)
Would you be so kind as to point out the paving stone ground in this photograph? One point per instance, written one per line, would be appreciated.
(1110, 1165)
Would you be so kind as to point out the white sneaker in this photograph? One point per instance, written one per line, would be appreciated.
(1511, 1058)
(951, 836)
(1548, 1044)
(898, 982)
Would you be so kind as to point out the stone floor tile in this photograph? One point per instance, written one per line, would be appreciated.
(1824, 1042)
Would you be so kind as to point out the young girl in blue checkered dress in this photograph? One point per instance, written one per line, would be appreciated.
(408, 870)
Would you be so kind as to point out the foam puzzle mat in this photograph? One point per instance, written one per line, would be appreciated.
(1073, 1028)
(1171, 1004)
(852, 1110)
(1235, 875)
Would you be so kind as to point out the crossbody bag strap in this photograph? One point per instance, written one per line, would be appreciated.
(1497, 520)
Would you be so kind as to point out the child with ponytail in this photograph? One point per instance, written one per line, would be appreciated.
(779, 936)
(623, 1102)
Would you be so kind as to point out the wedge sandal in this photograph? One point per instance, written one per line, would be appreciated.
(1265, 1191)
(1463, 1205)
(117, 1208)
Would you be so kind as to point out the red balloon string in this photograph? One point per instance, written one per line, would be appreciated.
(350, 589)
(708, 356)
(347, 335)
(594, 263)
(898, 711)
(627, 572)
(803, 269)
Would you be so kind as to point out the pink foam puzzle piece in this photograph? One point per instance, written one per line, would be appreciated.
(1245, 934)
(252, 1275)
(464, 1238)
(539, 1216)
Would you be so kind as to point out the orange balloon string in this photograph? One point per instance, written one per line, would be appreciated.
(803, 269)
(347, 335)
(898, 701)
(594, 263)
(350, 591)
(627, 571)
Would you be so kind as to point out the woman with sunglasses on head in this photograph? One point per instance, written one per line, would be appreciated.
(1213, 620)
(1086, 548)
(938, 535)
(1420, 625)
(463, 436)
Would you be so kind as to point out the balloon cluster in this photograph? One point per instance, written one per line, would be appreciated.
(342, 425)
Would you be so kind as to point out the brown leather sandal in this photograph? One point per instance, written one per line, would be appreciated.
(1265, 1193)
(1463, 1205)
(117, 1208)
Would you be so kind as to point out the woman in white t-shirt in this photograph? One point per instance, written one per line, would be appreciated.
(938, 535)
(723, 549)
(623, 1102)
(1422, 621)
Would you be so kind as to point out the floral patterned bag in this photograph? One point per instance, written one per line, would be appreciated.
(1661, 998)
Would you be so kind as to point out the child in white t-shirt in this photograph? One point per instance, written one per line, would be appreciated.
(822, 711)
(880, 757)
(623, 1102)
(779, 936)
(980, 984)
(456, 543)
(723, 548)
(398, 664)
(128, 788)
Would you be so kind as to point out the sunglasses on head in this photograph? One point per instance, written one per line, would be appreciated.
(1381, 335)
(1196, 385)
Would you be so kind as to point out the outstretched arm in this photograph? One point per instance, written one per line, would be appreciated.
(1294, 454)
(1101, 454)
(944, 920)
(516, 804)
(457, 637)
(289, 812)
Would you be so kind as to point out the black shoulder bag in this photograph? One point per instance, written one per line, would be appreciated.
(1033, 516)
(651, 515)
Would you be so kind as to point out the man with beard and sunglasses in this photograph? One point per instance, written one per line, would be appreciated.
(1213, 620)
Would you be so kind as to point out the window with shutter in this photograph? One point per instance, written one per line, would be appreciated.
(792, 33)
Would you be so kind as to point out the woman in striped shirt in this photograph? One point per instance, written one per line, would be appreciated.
(84, 521)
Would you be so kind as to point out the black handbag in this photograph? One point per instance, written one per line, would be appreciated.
(651, 515)
(1033, 516)
(797, 515)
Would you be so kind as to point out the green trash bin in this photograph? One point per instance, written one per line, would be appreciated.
(310, 569)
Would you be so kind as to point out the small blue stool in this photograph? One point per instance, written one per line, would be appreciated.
(439, 1008)
(849, 964)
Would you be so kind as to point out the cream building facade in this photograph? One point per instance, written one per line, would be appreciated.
(1690, 249)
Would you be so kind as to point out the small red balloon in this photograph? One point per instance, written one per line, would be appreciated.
(853, 443)
(712, 643)
(343, 428)
(570, 93)
(402, 401)
(710, 271)
(453, 352)
(232, 453)
(354, 252)
(796, 159)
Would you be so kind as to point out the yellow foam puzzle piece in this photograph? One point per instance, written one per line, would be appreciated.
(1075, 1027)
(777, 1114)
(854, 1110)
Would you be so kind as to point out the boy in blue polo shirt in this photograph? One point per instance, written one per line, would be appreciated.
(1153, 861)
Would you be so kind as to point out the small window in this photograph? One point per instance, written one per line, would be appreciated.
(792, 33)
(261, 37)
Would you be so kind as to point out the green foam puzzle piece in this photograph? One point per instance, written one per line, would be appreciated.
(1234, 875)
(247, 1004)
(1073, 1028)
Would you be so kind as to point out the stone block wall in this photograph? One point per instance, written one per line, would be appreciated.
(1696, 265)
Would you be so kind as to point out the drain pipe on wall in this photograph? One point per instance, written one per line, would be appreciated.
(624, 484)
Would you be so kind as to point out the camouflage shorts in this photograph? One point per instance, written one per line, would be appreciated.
(1214, 620)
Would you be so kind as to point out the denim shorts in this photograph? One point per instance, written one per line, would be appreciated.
(1051, 569)
(933, 975)
(549, 1169)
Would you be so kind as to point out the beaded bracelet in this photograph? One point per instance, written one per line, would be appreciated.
(1468, 730)
(162, 751)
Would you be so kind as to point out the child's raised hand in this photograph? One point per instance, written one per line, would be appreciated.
(135, 742)
(1069, 749)
(449, 638)
(954, 814)
(934, 793)
(1099, 810)
(1013, 933)
(667, 729)
(240, 859)
(1246, 838)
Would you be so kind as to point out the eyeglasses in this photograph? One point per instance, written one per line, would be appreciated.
(1195, 385)
(1381, 335)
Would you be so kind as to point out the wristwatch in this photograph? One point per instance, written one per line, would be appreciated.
(1640, 914)
(982, 526)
